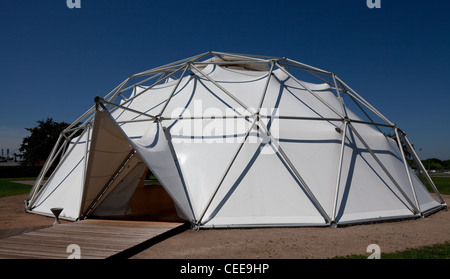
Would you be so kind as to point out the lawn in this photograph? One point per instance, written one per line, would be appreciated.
(9, 188)
(442, 183)
(438, 251)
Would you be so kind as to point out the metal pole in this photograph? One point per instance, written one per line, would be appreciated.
(86, 162)
(265, 87)
(338, 92)
(221, 54)
(108, 184)
(302, 118)
(248, 56)
(338, 180)
(406, 169)
(98, 99)
(231, 62)
(89, 112)
(307, 66)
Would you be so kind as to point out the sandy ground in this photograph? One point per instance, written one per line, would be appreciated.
(266, 243)
(14, 220)
(304, 243)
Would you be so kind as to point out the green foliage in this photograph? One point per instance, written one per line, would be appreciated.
(436, 164)
(39, 144)
(446, 164)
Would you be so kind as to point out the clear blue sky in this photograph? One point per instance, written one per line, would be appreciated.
(55, 60)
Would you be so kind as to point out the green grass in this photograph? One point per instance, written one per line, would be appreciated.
(9, 188)
(438, 251)
(442, 183)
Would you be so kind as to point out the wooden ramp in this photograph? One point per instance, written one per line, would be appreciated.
(92, 239)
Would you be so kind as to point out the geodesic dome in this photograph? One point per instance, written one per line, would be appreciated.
(237, 141)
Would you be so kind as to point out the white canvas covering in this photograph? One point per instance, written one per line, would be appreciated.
(238, 141)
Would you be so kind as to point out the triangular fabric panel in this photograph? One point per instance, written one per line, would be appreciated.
(64, 188)
(260, 189)
(155, 149)
(366, 190)
(116, 202)
(110, 150)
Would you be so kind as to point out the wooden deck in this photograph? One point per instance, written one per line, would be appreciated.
(96, 239)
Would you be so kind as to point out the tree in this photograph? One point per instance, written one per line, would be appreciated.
(38, 145)
(433, 164)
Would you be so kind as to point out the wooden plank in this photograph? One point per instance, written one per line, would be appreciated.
(97, 239)
(113, 232)
(49, 238)
(54, 252)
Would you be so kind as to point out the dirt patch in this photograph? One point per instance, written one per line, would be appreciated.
(305, 242)
(13, 215)
(266, 243)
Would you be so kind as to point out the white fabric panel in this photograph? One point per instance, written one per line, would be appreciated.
(116, 202)
(260, 190)
(109, 149)
(426, 201)
(155, 151)
(292, 99)
(247, 86)
(366, 192)
(149, 101)
(314, 150)
(64, 188)
(203, 97)
(203, 168)
(204, 159)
